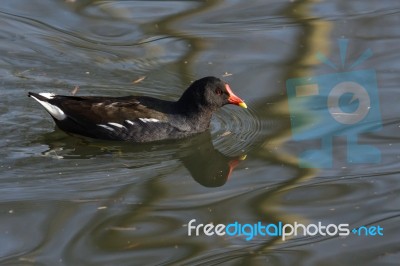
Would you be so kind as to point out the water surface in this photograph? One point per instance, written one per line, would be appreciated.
(71, 201)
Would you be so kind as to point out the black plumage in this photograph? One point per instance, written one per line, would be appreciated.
(140, 118)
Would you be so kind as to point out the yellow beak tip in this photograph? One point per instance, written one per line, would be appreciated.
(242, 104)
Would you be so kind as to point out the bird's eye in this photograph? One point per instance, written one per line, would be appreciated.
(218, 91)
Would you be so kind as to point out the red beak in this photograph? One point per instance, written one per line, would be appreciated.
(232, 164)
(233, 99)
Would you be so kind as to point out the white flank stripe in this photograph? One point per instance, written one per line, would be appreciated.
(115, 125)
(53, 110)
(151, 120)
(106, 127)
(47, 95)
(129, 122)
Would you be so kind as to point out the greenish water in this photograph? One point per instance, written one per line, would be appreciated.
(70, 201)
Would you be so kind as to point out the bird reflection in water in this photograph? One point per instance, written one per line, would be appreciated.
(207, 166)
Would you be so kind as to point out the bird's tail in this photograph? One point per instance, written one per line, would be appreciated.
(43, 98)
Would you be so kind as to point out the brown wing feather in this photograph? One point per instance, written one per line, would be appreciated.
(102, 110)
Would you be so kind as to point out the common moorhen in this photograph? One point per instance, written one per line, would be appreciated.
(140, 118)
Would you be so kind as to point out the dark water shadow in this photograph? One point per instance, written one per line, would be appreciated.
(207, 166)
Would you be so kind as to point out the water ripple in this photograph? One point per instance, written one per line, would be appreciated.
(235, 130)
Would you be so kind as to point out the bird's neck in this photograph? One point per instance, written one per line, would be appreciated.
(197, 115)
